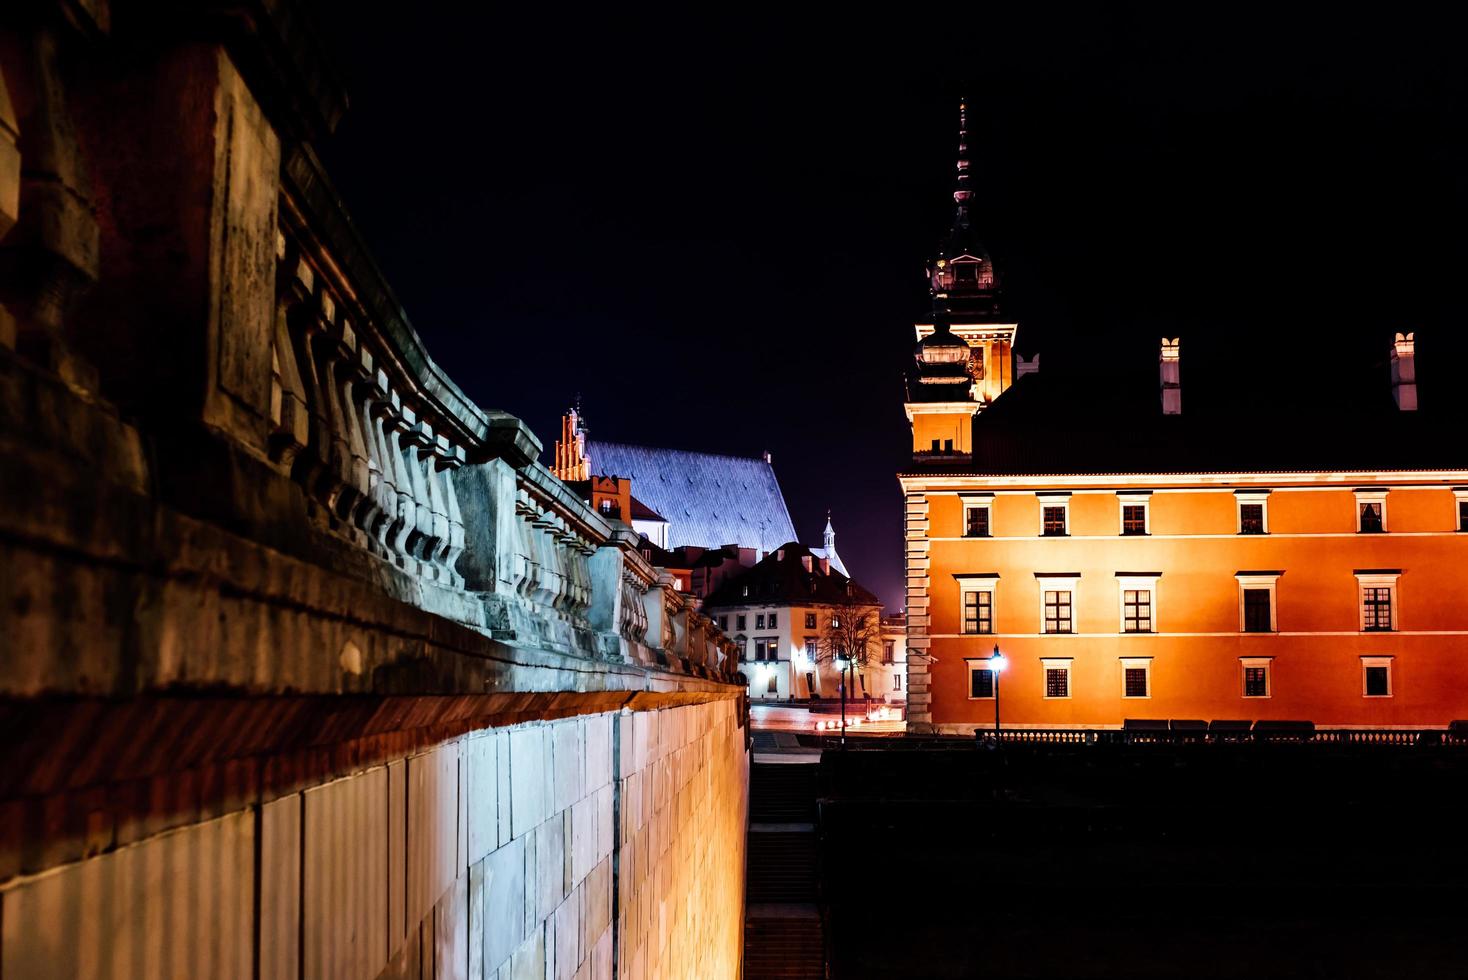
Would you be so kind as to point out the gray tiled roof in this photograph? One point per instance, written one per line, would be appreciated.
(708, 499)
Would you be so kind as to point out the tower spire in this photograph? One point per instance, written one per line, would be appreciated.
(962, 191)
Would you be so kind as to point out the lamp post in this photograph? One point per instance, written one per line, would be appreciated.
(997, 663)
(843, 662)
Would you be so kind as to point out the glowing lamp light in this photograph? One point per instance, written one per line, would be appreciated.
(820, 726)
(997, 663)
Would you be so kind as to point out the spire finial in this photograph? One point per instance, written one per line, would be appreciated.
(962, 192)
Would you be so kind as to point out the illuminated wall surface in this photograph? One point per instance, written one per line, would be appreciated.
(495, 850)
(1344, 628)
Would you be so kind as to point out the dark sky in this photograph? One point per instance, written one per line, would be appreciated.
(715, 230)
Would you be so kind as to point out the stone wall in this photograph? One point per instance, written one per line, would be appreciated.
(601, 845)
(308, 667)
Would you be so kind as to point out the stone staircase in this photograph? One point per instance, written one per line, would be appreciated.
(783, 934)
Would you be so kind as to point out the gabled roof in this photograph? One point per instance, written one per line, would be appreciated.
(707, 499)
(781, 579)
(642, 512)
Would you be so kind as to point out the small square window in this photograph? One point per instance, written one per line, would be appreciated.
(981, 682)
(1052, 518)
(978, 611)
(1377, 682)
(1251, 518)
(1057, 682)
(1135, 682)
(810, 621)
(1256, 680)
(1134, 519)
(976, 521)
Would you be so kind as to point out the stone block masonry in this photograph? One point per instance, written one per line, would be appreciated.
(609, 844)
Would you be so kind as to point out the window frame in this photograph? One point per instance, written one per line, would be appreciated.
(1047, 664)
(1057, 583)
(973, 507)
(1060, 500)
(1365, 498)
(1255, 663)
(741, 621)
(1259, 580)
(1260, 497)
(772, 621)
(1460, 509)
(975, 665)
(1377, 579)
(1142, 500)
(1136, 663)
(1137, 582)
(810, 621)
(973, 585)
(1382, 661)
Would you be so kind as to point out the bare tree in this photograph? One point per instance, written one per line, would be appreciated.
(852, 631)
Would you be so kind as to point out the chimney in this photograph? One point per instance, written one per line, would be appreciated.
(1168, 365)
(780, 555)
(825, 566)
(1404, 372)
(806, 561)
(1023, 367)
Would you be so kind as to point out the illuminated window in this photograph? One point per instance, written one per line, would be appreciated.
(810, 621)
(1376, 677)
(1136, 611)
(978, 611)
(774, 620)
(980, 680)
(1371, 511)
(759, 621)
(1376, 608)
(1135, 518)
(1057, 678)
(1256, 677)
(1057, 611)
(976, 521)
(1253, 511)
(1136, 678)
(1053, 521)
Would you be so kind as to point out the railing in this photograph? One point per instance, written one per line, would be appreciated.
(1111, 736)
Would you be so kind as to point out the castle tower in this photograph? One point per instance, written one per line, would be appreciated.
(964, 357)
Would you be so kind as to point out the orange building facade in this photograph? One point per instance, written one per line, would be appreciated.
(1210, 597)
(1134, 555)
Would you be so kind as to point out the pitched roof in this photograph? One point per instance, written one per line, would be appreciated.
(1104, 416)
(708, 499)
(781, 579)
(642, 512)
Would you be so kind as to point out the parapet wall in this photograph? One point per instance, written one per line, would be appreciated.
(607, 844)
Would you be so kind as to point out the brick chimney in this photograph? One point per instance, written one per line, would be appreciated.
(1404, 372)
(806, 561)
(825, 566)
(1168, 365)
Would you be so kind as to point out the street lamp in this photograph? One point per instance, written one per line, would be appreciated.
(997, 663)
(843, 663)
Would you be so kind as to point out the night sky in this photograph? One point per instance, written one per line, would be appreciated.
(716, 231)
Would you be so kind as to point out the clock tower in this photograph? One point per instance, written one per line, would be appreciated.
(964, 357)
